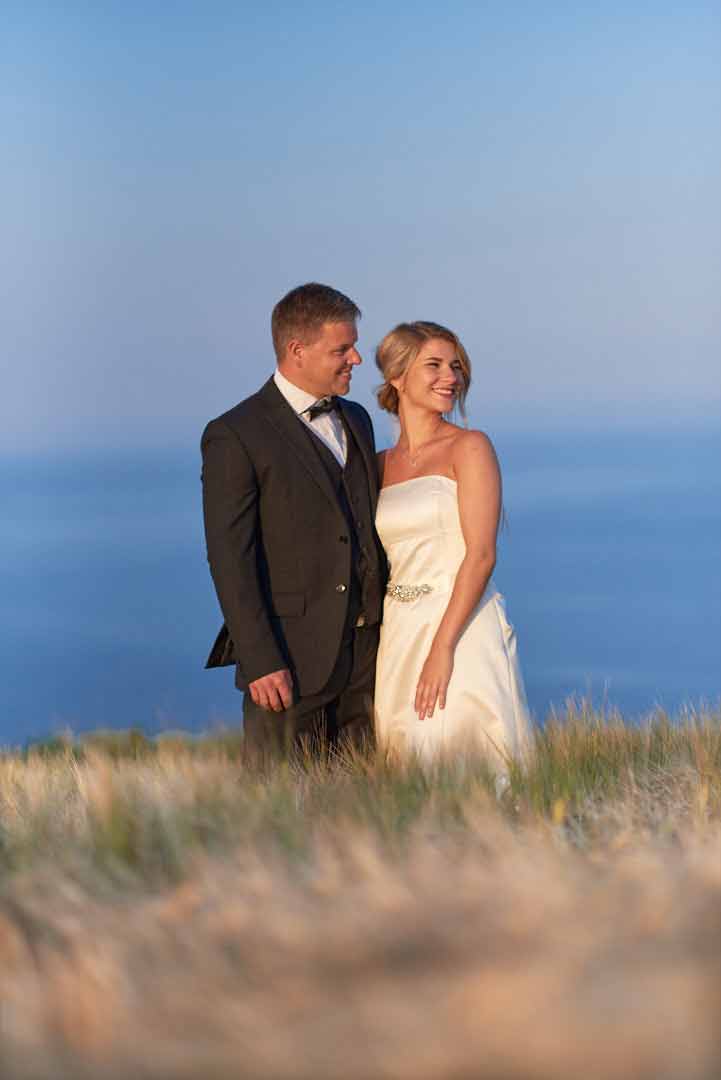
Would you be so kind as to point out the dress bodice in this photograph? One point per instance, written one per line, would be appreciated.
(420, 529)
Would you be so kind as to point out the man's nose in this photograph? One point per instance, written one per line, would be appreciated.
(355, 357)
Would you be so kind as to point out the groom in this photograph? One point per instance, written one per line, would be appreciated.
(289, 495)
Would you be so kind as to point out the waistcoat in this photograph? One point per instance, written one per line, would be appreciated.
(351, 487)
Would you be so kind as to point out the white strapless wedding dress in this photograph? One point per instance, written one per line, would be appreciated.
(419, 525)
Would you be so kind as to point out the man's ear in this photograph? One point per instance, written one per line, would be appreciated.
(294, 352)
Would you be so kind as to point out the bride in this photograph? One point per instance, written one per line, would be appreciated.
(447, 671)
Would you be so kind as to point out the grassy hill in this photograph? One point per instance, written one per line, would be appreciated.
(164, 912)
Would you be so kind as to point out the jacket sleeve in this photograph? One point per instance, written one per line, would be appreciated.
(230, 511)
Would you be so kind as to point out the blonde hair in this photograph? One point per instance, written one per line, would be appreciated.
(401, 346)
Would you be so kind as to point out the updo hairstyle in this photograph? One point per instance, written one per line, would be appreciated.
(401, 346)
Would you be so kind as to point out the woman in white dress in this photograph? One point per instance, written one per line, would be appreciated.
(448, 676)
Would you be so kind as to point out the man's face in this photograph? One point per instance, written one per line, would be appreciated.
(325, 366)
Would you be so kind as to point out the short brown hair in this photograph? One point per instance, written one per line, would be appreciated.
(303, 311)
(401, 346)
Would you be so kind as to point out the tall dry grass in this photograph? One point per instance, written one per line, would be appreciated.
(166, 913)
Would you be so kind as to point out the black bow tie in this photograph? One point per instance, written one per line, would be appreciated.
(322, 405)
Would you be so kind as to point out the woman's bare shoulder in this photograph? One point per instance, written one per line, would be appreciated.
(473, 449)
(470, 441)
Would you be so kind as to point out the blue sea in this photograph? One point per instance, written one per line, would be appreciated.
(609, 563)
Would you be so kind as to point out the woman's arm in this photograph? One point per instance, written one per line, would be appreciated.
(479, 503)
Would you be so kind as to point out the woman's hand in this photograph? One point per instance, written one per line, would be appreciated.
(434, 680)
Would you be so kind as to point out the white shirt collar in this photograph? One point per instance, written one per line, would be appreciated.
(299, 400)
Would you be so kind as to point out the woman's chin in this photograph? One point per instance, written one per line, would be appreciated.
(436, 405)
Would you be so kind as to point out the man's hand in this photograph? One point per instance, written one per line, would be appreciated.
(273, 692)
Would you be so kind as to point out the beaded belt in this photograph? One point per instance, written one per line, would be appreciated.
(407, 592)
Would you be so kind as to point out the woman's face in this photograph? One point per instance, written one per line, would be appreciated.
(434, 379)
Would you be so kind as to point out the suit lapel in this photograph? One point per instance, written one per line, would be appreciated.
(361, 437)
(291, 430)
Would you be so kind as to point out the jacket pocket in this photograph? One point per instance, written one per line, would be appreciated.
(285, 604)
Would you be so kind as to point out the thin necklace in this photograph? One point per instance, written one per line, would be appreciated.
(414, 458)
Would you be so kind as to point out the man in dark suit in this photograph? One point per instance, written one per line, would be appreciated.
(289, 495)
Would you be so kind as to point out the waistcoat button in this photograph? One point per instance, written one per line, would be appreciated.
(340, 588)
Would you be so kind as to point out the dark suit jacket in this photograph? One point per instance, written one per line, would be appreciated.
(277, 539)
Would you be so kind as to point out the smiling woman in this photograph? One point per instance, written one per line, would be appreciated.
(428, 348)
(446, 643)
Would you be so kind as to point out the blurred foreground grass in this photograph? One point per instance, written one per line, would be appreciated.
(166, 913)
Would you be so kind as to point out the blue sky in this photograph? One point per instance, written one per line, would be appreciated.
(543, 177)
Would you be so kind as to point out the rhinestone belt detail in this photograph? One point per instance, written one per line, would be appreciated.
(407, 592)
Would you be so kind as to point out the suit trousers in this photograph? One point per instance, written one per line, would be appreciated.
(340, 715)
